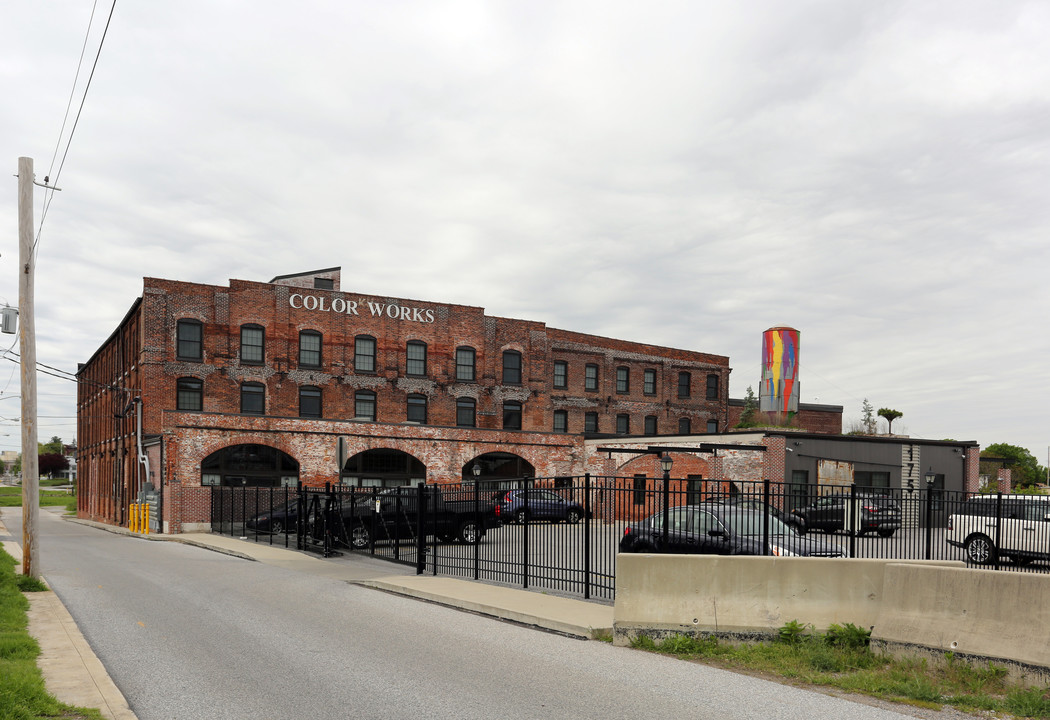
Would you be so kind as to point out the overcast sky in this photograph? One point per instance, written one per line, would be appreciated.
(688, 174)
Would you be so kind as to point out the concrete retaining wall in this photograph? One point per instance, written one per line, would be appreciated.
(912, 607)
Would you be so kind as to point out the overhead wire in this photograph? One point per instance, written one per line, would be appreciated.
(49, 193)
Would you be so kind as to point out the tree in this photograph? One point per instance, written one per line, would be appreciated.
(51, 463)
(53, 446)
(890, 416)
(869, 417)
(747, 417)
(1024, 468)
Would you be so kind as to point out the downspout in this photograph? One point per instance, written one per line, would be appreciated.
(143, 459)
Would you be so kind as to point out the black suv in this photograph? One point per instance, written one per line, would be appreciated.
(874, 513)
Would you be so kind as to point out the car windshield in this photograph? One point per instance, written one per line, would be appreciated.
(750, 523)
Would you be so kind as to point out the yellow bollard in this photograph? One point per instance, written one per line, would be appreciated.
(145, 518)
(133, 517)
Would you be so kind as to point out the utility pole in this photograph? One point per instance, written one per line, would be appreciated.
(30, 460)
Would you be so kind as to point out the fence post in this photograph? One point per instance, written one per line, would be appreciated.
(587, 536)
(477, 529)
(852, 511)
(525, 538)
(766, 514)
(929, 520)
(421, 543)
(998, 526)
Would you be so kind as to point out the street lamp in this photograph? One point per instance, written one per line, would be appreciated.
(931, 478)
(665, 466)
(476, 470)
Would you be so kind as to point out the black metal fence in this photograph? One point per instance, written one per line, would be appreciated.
(563, 534)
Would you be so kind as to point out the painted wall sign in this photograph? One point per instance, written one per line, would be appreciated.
(369, 308)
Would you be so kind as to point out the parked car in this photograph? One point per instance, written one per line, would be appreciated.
(1023, 529)
(394, 514)
(278, 520)
(522, 506)
(720, 529)
(751, 503)
(872, 513)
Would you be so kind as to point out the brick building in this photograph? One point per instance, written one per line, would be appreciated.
(276, 383)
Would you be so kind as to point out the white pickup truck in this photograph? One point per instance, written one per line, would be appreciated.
(1023, 532)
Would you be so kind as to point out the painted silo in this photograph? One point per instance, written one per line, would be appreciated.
(779, 390)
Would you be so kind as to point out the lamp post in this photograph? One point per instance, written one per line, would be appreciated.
(665, 467)
(476, 470)
(931, 478)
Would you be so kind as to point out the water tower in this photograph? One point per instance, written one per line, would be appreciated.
(779, 388)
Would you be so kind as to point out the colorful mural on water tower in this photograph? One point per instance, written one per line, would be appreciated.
(779, 389)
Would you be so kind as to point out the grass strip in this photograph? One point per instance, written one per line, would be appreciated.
(23, 695)
(842, 659)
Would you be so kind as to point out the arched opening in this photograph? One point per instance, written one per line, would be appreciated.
(498, 469)
(383, 468)
(250, 466)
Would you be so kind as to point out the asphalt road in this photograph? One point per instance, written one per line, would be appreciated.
(187, 633)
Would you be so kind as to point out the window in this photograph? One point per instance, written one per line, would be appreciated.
(712, 387)
(253, 398)
(561, 421)
(639, 490)
(465, 364)
(694, 488)
(253, 339)
(324, 284)
(365, 405)
(867, 478)
(310, 348)
(189, 340)
(309, 401)
(712, 426)
(189, 394)
(365, 353)
(623, 380)
(623, 424)
(416, 410)
(590, 378)
(561, 374)
(590, 422)
(650, 424)
(512, 415)
(685, 427)
(465, 412)
(685, 381)
(416, 361)
(511, 367)
(649, 382)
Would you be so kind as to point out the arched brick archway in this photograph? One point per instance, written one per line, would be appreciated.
(249, 464)
(496, 468)
(383, 467)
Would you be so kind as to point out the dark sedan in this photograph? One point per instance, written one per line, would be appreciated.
(716, 529)
(281, 519)
(522, 506)
(869, 513)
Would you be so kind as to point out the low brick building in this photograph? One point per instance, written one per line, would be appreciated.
(294, 380)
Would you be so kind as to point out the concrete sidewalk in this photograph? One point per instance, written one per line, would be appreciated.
(75, 675)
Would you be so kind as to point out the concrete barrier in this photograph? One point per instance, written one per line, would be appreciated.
(980, 616)
(744, 597)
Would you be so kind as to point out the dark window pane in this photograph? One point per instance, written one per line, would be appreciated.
(649, 382)
(650, 424)
(712, 387)
(253, 398)
(623, 424)
(684, 426)
(252, 344)
(512, 415)
(590, 422)
(417, 359)
(364, 353)
(590, 378)
(417, 409)
(712, 426)
(512, 367)
(365, 405)
(623, 380)
(189, 394)
(465, 364)
(684, 384)
(561, 374)
(309, 401)
(465, 412)
(561, 421)
(189, 340)
(310, 348)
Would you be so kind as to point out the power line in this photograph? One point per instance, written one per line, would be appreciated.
(50, 192)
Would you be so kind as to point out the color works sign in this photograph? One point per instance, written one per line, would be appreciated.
(368, 308)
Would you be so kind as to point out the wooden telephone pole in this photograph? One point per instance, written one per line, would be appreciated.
(27, 336)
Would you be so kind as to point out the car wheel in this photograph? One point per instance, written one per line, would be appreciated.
(980, 550)
(360, 537)
(885, 532)
(521, 517)
(277, 527)
(469, 533)
(573, 516)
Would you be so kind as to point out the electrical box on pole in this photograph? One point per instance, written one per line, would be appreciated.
(9, 320)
